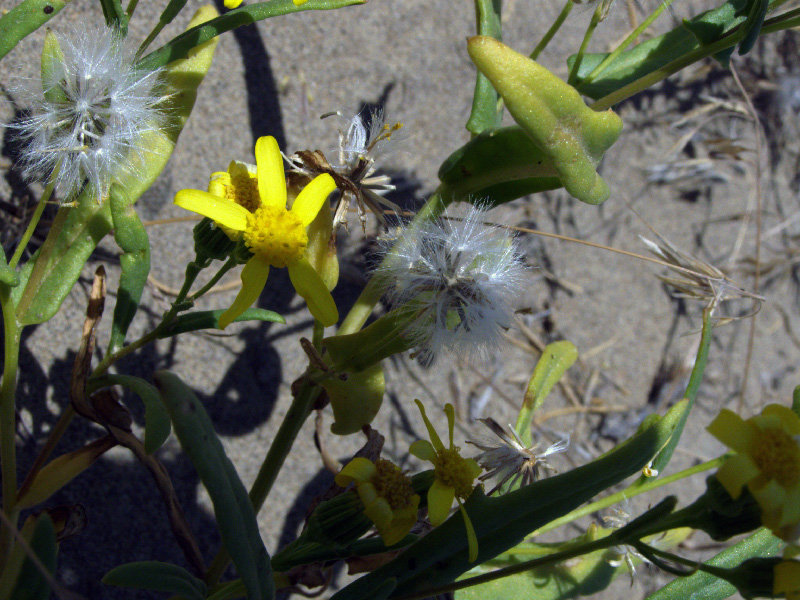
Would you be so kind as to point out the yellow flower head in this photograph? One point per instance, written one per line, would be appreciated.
(767, 461)
(454, 474)
(275, 236)
(787, 579)
(389, 500)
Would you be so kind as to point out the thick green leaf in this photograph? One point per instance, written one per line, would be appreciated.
(232, 508)
(503, 522)
(90, 221)
(651, 55)
(485, 113)
(752, 26)
(157, 424)
(496, 165)
(555, 360)
(157, 576)
(703, 586)
(25, 18)
(31, 584)
(209, 319)
(131, 236)
(180, 46)
(356, 400)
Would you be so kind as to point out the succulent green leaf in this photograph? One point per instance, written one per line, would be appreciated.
(503, 522)
(486, 114)
(553, 363)
(131, 236)
(232, 507)
(25, 18)
(157, 424)
(553, 114)
(196, 35)
(653, 54)
(704, 586)
(209, 319)
(52, 56)
(497, 166)
(361, 350)
(159, 577)
(355, 400)
(90, 221)
(31, 583)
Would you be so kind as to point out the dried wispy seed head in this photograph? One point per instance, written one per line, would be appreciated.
(511, 460)
(361, 147)
(458, 279)
(87, 117)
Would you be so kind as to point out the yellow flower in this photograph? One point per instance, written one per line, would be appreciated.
(767, 461)
(454, 474)
(389, 500)
(275, 236)
(236, 3)
(787, 579)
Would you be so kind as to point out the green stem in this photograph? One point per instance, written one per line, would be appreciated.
(42, 264)
(628, 41)
(371, 294)
(131, 8)
(149, 39)
(192, 271)
(629, 492)
(8, 425)
(273, 462)
(52, 441)
(37, 214)
(596, 18)
(553, 30)
(213, 281)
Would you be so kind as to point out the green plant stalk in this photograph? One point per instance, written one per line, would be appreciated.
(553, 30)
(282, 443)
(192, 271)
(628, 41)
(229, 264)
(629, 492)
(52, 441)
(678, 64)
(551, 559)
(179, 46)
(42, 263)
(37, 214)
(131, 8)
(787, 20)
(371, 294)
(573, 75)
(8, 391)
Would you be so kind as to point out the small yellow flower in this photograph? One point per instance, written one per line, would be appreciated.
(787, 579)
(454, 474)
(767, 461)
(389, 500)
(275, 236)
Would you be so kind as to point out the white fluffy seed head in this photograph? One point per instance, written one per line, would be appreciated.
(95, 108)
(460, 279)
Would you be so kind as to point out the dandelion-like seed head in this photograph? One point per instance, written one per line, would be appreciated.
(362, 145)
(459, 278)
(94, 109)
(511, 460)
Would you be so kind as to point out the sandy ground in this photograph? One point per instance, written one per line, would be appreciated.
(636, 342)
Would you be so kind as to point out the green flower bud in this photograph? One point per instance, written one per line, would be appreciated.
(211, 242)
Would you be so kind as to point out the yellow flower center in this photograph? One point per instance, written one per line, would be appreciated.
(244, 191)
(452, 470)
(392, 485)
(777, 456)
(276, 235)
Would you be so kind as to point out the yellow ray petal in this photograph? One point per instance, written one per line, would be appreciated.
(232, 3)
(472, 539)
(313, 290)
(222, 211)
(367, 493)
(423, 450)
(254, 278)
(359, 470)
(271, 178)
(473, 466)
(435, 440)
(787, 577)
(735, 472)
(380, 513)
(789, 420)
(440, 499)
(730, 429)
(309, 201)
